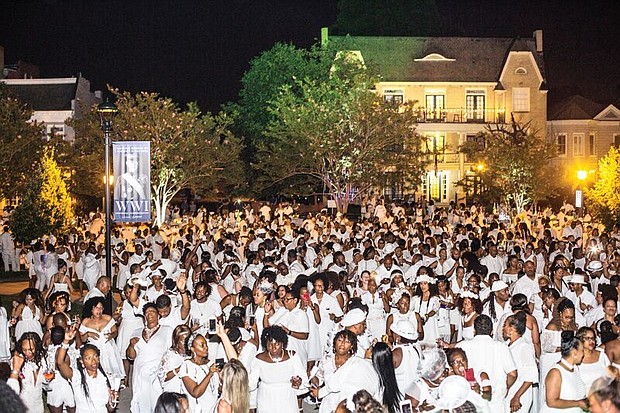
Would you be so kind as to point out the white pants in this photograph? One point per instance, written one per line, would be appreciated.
(8, 257)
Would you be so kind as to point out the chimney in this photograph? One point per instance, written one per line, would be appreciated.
(538, 37)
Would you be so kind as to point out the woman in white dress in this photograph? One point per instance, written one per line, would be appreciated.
(403, 311)
(172, 360)
(28, 365)
(343, 374)
(595, 361)
(470, 307)
(147, 348)
(130, 320)
(278, 373)
(91, 386)
(199, 375)
(329, 310)
(260, 294)
(551, 340)
(377, 309)
(520, 396)
(565, 392)
(28, 312)
(100, 330)
(60, 281)
(426, 303)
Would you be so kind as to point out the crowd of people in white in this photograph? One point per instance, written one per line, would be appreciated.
(435, 309)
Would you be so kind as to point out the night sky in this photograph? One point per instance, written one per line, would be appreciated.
(198, 50)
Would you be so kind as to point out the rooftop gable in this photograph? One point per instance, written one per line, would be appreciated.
(575, 107)
(436, 59)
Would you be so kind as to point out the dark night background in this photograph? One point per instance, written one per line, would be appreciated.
(198, 50)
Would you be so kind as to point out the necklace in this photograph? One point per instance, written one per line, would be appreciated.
(276, 359)
(149, 332)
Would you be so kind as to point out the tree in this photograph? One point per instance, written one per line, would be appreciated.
(604, 197)
(46, 206)
(388, 18)
(281, 65)
(341, 133)
(21, 144)
(188, 149)
(515, 160)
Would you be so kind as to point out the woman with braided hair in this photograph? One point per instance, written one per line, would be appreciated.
(91, 386)
(28, 365)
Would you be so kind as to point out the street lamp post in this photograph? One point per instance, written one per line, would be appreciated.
(107, 111)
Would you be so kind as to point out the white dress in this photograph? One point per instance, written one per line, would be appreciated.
(295, 320)
(31, 391)
(550, 340)
(110, 357)
(327, 305)
(376, 313)
(342, 383)
(5, 338)
(146, 387)
(170, 361)
(29, 322)
(274, 384)
(130, 322)
(523, 354)
(592, 371)
(572, 388)
(98, 394)
(431, 329)
(208, 401)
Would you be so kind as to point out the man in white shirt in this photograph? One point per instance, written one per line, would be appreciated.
(498, 306)
(492, 357)
(528, 284)
(7, 245)
(493, 262)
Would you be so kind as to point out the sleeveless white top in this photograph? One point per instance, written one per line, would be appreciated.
(572, 388)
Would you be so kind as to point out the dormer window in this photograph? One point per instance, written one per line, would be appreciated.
(434, 57)
(520, 71)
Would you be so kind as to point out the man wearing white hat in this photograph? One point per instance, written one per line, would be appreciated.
(499, 302)
(597, 275)
(583, 299)
(405, 355)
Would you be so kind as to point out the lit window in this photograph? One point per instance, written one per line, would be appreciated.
(578, 144)
(521, 99)
(394, 96)
(561, 143)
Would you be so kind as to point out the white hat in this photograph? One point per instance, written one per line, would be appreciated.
(261, 231)
(425, 278)
(287, 238)
(453, 393)
(353, 317)
(337, 247)
(577, 279)
(405, 329)
(594, 266)
(156, 273)
(498, 286)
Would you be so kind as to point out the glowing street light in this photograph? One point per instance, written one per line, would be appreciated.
(582, 175)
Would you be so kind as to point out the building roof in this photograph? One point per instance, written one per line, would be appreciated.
(44, 94)
(575, 107)
(467, 59)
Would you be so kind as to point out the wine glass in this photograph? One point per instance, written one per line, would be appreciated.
(48, 375)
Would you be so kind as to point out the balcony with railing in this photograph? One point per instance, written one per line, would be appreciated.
(461, 115)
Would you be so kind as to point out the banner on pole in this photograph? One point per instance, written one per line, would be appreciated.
(132, 181)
